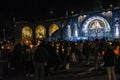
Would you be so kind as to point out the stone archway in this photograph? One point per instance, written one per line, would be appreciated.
(96, 26)
(53, 28)
(27, 33)
(40, 32)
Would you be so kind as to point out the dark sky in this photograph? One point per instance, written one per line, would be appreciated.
(40, 9)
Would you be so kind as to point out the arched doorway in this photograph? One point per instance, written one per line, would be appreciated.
(96, 26)
(27, 34)
(40, 32)
(53, 28)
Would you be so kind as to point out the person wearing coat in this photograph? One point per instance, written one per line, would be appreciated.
(40, 61)
(110, 62)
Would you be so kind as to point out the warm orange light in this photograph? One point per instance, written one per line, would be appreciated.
(116, 51)
(2, 47)
(31, 46)
(103, 52)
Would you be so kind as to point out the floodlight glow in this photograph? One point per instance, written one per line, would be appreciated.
(117, 30)
(75, 30)
(69, 31)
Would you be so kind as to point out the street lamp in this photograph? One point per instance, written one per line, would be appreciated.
(51, 12)
(110, 5)
(72, 12)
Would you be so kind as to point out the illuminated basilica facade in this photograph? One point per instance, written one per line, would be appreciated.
(90, 25)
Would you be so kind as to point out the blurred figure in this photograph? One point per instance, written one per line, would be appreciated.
(53, 59)
(97, 55)
(28, 59)
(68, 57)
(109, 62)
(4, 61)
(40, 60)
(86, 51)
(16, 58)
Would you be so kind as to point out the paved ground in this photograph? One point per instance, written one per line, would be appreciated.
(76, 72)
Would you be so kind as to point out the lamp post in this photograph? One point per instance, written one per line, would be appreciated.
(4, 34)
(14, 26)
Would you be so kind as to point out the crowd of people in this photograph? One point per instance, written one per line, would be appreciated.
(42, 57)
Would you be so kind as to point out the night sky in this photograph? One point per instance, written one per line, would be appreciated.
(40, 9)
(32, 10)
